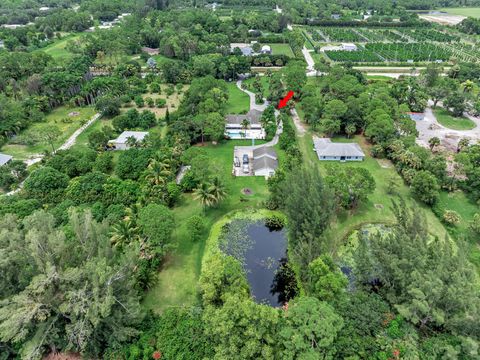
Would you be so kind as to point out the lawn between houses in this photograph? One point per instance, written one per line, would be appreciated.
(177, 282)
(59, 117)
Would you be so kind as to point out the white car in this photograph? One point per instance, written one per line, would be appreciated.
(246, 168)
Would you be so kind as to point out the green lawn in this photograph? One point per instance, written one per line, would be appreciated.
(177, 282)
(469, 12)
(377, 209)
(282, 49)
(57, 49)
(56, 117)
(238, 102)
(451, 122)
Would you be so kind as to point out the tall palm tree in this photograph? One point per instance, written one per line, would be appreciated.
(217, 190)
(433, 142)
(245, 126)
(203, 194)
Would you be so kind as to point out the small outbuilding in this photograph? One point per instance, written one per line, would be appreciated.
(349, 47)
(5, 159)
(126, 138)
(266, 50)
(329, 151)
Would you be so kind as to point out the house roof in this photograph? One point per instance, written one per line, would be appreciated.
(325, 147)
(4, 158)
(264, 151)
(253, 116)
(265, 162)
(138, 135)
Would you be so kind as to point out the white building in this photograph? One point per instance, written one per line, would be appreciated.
(349, 47)
(123, 142)
(44, 8)
(235, 126)
(5, 159)
(329, 151)
(266, 49)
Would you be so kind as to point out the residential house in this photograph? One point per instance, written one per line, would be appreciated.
(5, 159)
(336, 16)
(265, 161)
(123, 143)
(266, 50)
(329, 151)
(235, 129)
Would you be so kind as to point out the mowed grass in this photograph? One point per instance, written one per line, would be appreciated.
(238, 102)
(464, 11)
(282, 49)
(264, 80)
(177, 282)
(377, 208)
(56, 117)
(451, 122)
(58, 50)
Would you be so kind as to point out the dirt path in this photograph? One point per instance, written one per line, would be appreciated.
(301, 130)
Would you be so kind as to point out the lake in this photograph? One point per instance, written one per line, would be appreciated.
(263, 254)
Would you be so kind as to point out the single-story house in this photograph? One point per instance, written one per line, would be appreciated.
(122, 142)
(234, 128)
(265, 161)
(416, 116)
(5, 159)
(327, 150)
(246, 49)
(349, 47)
(266, 49)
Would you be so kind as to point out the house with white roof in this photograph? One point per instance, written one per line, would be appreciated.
(235, 126)
(123, 141)
(266, 49)
(329, 151)
(5, 159)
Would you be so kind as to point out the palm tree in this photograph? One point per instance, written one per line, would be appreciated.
(131, 141)
(350, 129)
(433, 142)
(245, 126)
(158, 172)
(203, 194)
(463, 143)
(123, 233)
(217, 190)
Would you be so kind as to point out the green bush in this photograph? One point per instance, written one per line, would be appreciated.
(196, 227)
(275, 222)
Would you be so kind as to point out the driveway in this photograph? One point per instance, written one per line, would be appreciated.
(430, 127)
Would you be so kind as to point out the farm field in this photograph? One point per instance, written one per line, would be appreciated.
(238, 102)
(451, 122)
(67, 119)
(464, 11)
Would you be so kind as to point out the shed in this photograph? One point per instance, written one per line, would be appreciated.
(266, 49)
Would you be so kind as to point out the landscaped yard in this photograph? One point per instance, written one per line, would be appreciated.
(451, 122)
(177, 281)
(264, 80)
(67, 119)
(238, 102)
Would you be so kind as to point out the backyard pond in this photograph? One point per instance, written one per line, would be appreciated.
(263, 254)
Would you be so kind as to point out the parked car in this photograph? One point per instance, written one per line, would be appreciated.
(245, 158)
(246, 168)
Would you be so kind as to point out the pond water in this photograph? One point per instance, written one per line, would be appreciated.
(263, 254)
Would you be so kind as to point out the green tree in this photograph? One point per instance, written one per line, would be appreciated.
(46, 184)
(327, 282)
(309, 330)
(425, 187)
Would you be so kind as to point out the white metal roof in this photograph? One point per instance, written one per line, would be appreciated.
(325, 147)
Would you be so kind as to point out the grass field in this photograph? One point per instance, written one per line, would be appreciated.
(282, 49)
(56, 117)
(451, 122)
(265, 85)
(177, 282)
(238, 102)
(464, 11)
(57, 49)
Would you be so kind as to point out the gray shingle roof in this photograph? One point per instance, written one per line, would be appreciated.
(325, 147)
(138, 135)
(4, 158)
(264, 151)
(265, 162)
(253, 116)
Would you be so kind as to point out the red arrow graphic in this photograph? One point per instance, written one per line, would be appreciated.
(284, 101)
